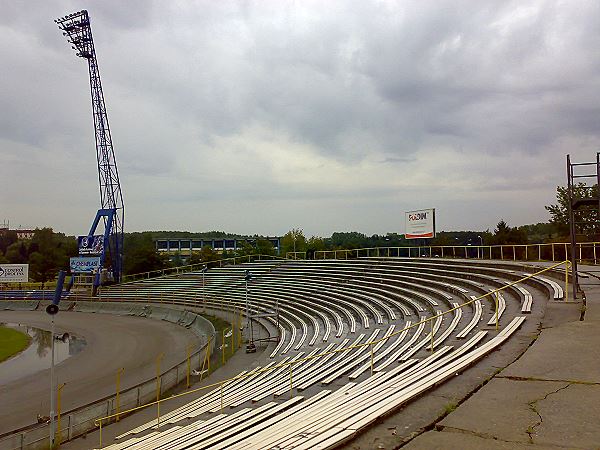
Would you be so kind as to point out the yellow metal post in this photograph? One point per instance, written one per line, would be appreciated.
(100, 425)
(189, 364)
(158, 358)
(208, 355)
(202, 366)
(567, 281)
(240, 330)
(58, 430)
(223, 345)
(497, 299)
(221, 398)
(233, 327)
(431, 322)
(291, 382)
(118, 391)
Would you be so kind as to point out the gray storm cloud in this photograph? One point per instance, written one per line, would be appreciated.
(256, 117)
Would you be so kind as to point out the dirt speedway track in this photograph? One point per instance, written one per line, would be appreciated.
(113, 342)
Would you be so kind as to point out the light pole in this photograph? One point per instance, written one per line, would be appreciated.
(52, 432)
(204, 269)
(250, 347)
(294, 236)
(480, 246)
(52, 309)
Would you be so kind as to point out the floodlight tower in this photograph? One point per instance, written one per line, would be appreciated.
(76, 27)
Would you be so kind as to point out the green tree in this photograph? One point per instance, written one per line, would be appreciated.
(293, 241)
(587, 214)
(17, 253)
(504, 234)
(49, 252)
(6, 239)
(176, 260)
(43, 266)
(140, 254)
(539, 233)
(207, 253)
(443, 239)
(245, 248)
(264, 247)
(350, 240)
(316, 243)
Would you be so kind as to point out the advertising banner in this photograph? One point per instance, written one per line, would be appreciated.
(420, 224)
(84, 264)
(90, 245)
(12, 273)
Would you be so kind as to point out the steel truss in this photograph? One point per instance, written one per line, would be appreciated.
(76, 27)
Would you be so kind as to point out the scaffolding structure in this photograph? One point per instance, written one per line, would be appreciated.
(583, 203)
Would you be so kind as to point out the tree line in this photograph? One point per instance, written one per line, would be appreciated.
(48, 251)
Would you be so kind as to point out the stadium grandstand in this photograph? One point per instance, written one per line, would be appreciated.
(358, 340)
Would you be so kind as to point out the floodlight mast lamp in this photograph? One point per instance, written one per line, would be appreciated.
(76, 27)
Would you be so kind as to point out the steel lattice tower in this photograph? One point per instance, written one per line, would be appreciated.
(76, 27)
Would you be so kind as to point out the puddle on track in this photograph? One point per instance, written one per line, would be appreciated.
(38, 355)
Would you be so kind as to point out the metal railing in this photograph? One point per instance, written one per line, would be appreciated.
(553, 252)
(198, 266)
(290, 364)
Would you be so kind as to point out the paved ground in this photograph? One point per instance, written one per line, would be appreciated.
(112, 342)
(547, 399)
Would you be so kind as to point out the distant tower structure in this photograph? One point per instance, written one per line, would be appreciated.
(76, 27)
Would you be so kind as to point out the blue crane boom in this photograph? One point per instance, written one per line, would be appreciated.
(76, 27)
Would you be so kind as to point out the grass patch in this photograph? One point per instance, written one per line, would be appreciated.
(451, 406)
(12, 342)
(220, 325)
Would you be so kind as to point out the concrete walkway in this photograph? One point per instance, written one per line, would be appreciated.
(547, 399)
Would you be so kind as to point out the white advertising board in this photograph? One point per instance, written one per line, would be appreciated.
(90, 245)
(85, 264)
(14, 273)
(420, 224)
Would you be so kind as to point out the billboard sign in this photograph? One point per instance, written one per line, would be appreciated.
(420, 224)
(12, 273)
(90, 245)
(85, 264)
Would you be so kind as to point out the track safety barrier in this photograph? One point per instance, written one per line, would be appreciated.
(81, 420)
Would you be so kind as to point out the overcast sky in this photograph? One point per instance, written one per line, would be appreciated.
(259, 116)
